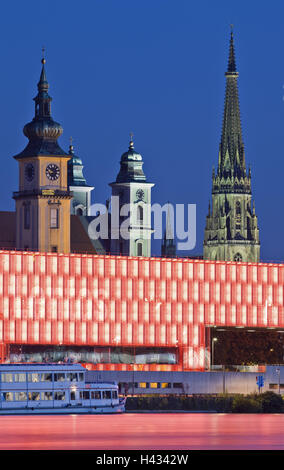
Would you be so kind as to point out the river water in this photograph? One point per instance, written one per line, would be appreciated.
(130, 431)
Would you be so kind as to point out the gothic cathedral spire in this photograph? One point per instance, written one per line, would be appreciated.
(231, 232)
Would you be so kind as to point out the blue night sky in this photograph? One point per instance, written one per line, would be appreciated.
(154, 68)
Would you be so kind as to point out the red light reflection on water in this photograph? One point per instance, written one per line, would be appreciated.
(151, 431)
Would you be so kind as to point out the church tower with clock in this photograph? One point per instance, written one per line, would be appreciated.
(131, 208)
(43, 198)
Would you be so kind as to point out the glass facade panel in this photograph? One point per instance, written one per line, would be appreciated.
(95, 355)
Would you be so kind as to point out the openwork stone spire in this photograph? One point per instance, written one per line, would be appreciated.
(231, 231)
(231, 171)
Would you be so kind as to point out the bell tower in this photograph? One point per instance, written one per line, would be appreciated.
(131, 201)
(231, 232)
(81, 202)
(43, 198)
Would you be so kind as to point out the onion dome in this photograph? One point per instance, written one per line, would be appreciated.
(42, 131)
(131, 166)
(75, 169)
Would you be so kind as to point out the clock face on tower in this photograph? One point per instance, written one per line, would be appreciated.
(29, 171)
(52, 172)
(140, 194)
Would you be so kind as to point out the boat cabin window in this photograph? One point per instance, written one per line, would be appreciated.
(7, 396)
(107, 394)
(46, 395)
(114, 394)
(34, 396)
(7, 377)
(59, 395)
(20, 377)
(46, 377)
(33, 378)
(72, 395)
(59, 377)
(20, 396)
(96, 395)
(72, 377)
(85, 395)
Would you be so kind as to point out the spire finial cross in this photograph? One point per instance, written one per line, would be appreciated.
(131, 140)
(43, 53)
(71, 148)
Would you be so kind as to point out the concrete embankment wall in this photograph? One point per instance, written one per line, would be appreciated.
(192, 382)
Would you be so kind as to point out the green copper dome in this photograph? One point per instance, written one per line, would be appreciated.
(131, 164)
(75, 170)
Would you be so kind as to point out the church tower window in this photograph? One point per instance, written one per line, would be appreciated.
(238, 215)
(27, 216)
(140, 214)
(139, 249)
(54, 218)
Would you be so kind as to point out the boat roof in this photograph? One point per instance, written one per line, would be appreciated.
(42, 367)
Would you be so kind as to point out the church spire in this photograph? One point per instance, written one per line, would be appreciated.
(168, 246)
(232, 155)
(232, 61)
(231, 231)
(42, 100)
(42, 131)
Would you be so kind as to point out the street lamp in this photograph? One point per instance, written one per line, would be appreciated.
(278, 373)
(212, 349)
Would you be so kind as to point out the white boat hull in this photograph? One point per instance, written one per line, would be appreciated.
(33, 389)
(63, 410)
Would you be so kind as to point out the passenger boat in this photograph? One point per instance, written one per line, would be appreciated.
(55, 389)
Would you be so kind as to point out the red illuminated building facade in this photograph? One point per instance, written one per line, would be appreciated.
(116, 313)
